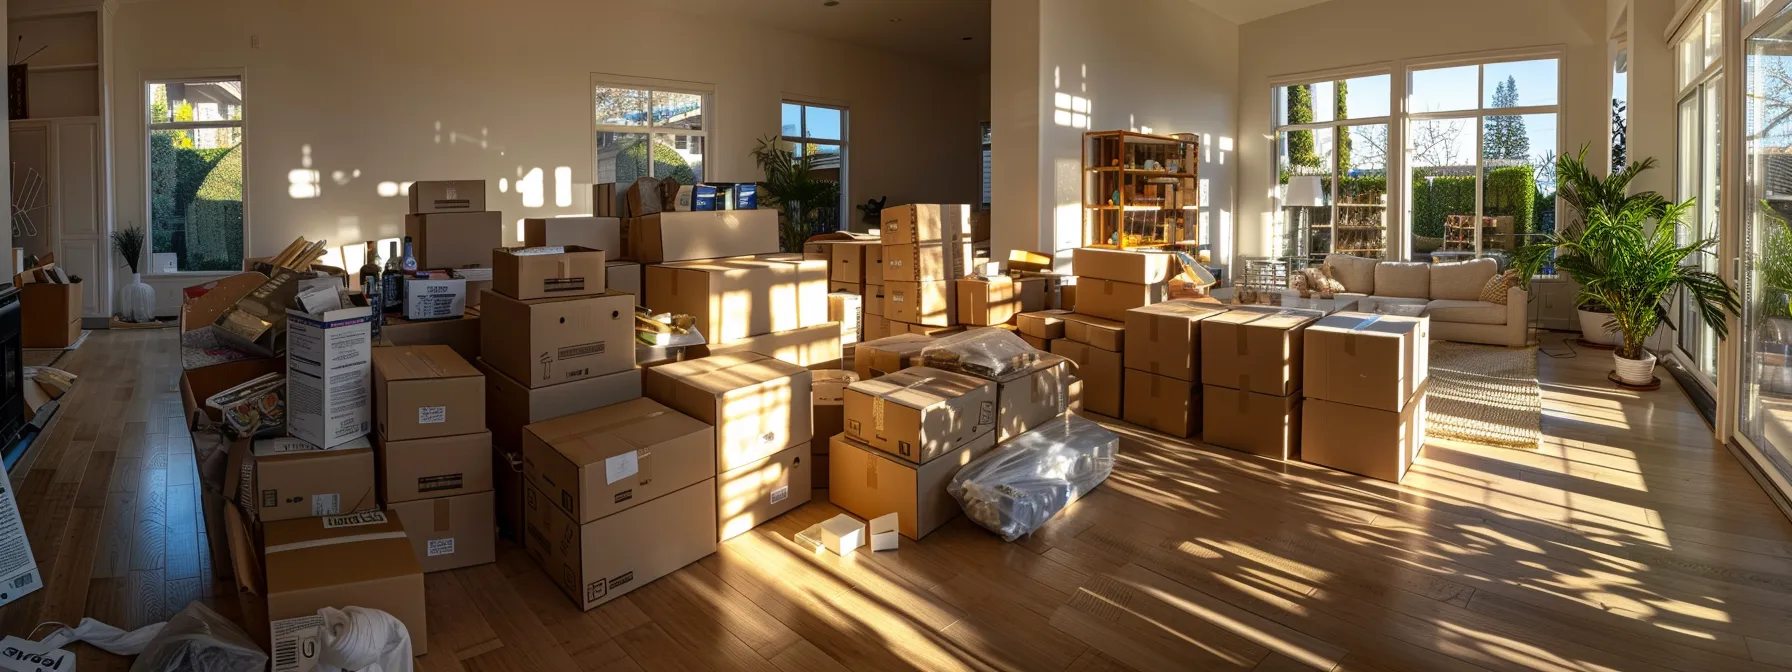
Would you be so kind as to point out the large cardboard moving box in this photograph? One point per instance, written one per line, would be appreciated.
(1030, 398)
(1136, 267)
(846, 258)
(1260, 424)
(751, 495)
(918, 302)
(930, 223)
(889, 354)
(987, 301)
(623, 277)
(446, 196)
(920, 413)
(283, 479)
(758, 405)
(1097, 331)
(812, 347)
(1111, 298)
(1169, 405)
(1166, 338)
(455, 239)
(442, 466)
(605, 559)
(1042, 324)
(598, 462)
(871, 483)
(598, 233)
(526, 273)
(1100, 371)
(460, 334)
(1253, 351)
(551, 341)
(1368, 441)
(51, 314)
(684, 236)
(734, 299)
(1363, 359)
(451, 532)
(360, 560)
(510, 406)
(926, 262)
(426, 390)
(829, 390)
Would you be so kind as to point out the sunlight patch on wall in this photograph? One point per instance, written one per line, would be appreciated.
(563, 187)
(529, 186)
(303, 183)
(388, 190)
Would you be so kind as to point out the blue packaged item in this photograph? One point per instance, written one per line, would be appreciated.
(746, 197)
(704, 199)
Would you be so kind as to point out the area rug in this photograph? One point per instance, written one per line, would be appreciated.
(1484, 394)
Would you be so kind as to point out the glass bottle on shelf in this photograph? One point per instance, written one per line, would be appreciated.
(393, 289)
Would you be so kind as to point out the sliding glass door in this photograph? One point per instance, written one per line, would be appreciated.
(1764, 405)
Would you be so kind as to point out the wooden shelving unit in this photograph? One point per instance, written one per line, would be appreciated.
(1140, 190)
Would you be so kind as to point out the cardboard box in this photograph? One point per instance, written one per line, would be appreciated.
(758, 405)
(605, 559)
(1166, 404)
(901, 224)
(871, 483)
(1367, 441)
(874, 264)
(446, 196)
(1042, 324)
(751, 495)
(1100, 372)
(926, 262)
(283, 479)
(433, 298)
(426, 390)
(362, 560)
(1166, 338)
(526, 273)
(510, 406)
(829, 392)
(816, 346)
(597, 233)
(846, 259)
(623, 277)
(605, 460)
(1030, 398)
(552, 341)
(926, 329)
(1363, 359)
(874, 300)
(329, 376)
(877, 327)
(1041, 344)
(849, 310)
(1067, 297)
(1137, 267)
(461, 334)
(987, 301)
(1100, 332)
(1260, 424)
(1253, 351)
(1032, 294)
(837, 287)
(918, 302)
(1034, 262)
(734, 299)
(603, 202)
(1075, 391)
(455, 240)
(889, 354)
(685, 236)
(1111, 298)
(920, 413)
(51, 314)
(451, 532)
(442, 466)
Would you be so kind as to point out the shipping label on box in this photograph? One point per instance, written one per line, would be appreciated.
(441, 466)
(599, 462)
(447, 196)
(451, 532)
(551, 341)
(426, 390)
(526, 273)
(329, 376)
(434, 298)
(18, 568)
(920, 413)
(607, 558)
(363, 560)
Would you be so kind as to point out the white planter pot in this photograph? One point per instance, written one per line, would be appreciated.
(137, 301)
(1636, 371)
(1592, 328)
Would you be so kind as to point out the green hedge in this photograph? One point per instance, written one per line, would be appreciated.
(1511, 192)
(195, 203)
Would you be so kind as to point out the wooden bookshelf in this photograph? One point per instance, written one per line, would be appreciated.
(1140, 190)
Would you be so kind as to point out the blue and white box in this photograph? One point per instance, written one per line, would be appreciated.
(329, 375)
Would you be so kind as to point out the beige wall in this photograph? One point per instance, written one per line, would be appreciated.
(400, 90)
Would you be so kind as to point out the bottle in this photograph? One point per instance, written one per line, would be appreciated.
(393, 289)
(409, 268)
(371, 285)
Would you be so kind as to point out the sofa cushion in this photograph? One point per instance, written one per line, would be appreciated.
(1357, 273)
(1471, 312)
(1462, 280)
(1404, 279)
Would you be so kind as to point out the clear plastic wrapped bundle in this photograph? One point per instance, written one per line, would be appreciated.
(985, 353)
(1014, 489)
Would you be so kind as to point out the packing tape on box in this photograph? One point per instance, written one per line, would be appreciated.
(1244, 397)
(426, 363)
(1350, 337)
(871, 471)
(351, 539)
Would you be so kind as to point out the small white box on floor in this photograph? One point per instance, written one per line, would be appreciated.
(884, 536)
(842, 534)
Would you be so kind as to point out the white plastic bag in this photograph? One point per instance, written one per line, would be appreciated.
(1014, 489)
(199, 640)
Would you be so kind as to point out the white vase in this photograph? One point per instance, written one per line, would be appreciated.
(1636, 371)
(1592, 328)
(136, 301)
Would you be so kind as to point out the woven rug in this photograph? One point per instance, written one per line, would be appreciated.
(1484, 394)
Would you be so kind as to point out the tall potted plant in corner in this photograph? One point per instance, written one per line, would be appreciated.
(804, 200)
(1584, 191)
(136, 301)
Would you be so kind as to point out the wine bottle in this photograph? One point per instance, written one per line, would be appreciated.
(393, 290)
(371, 285)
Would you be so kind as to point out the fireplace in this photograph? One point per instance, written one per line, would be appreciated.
(12, 367)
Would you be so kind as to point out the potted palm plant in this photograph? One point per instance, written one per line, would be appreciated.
(1584, 191)
(807, 203)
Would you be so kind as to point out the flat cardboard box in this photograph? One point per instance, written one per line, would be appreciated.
(451, 532)
(1367, 441)
(1260, 424)
(848, 309)
(734, 299)
(1111, 298)
(1256, 352)
(1166, 404)
(1040, 344)
(1364, 359)
(931, 223)
(510, 406)
(522, 273)
(1030, 398)
(623, 277)
(362, 560)
(422, 391)
(442, 466)
(815, 346)
(51, 314)
(927, 329)
(920, 413)
(605, 460)
(597, 233)
(552, 341)
(918, 302)
(874, 299)
(1097, 331)
(686, 236)
(434, 298)
(871, 483)
(758, 405)
(428, 197)
(877, 327)
(304, 483)
(329, 376)
(605, 559)
(874, 264)
(1136, 267)
(889, 354)
(1043, 324)
(461, 334)
(751, 495)
(926, 262)
(1100, 372)
(1166, 338)
(455, 240)
(986, 301)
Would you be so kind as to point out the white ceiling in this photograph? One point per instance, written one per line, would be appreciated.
(926, 29)
(1246, 11)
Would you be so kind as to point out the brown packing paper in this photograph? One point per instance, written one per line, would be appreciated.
(426, 390)
(1259, 424)
(757, 404)
(598, 462)
(607, 558)
(751, 495)
(869, 483)
(451, 532)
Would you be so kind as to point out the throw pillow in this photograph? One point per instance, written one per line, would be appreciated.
(1495, 289)
(1298, 283)
(1329, 284)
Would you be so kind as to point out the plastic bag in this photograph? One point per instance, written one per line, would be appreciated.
(1014, 489)
(199, 640)
(985, 353)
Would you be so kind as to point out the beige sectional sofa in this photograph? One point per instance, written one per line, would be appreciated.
(1451, 293)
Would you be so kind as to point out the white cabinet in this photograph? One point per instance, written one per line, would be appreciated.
(69, 154)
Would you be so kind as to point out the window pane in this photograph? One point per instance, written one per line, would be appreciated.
(821, 123)
(1518, 183)
(1325, 101)
(195, 101)
(1714, 35)
(621, 107)
(1364, 97)
(1361, 221)
(1520, 84)
(1765, 406)
(824, 159)
(621, 157)
(196, 197)
(1692, 54)
(793, 120)
(673, 161)
(1443, 89)
(678, 110)
(1441, 154)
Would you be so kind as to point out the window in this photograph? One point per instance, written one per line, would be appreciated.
(1332, 168)
(1696, 175)
(649, 132)
(817, 134)
(195, 172)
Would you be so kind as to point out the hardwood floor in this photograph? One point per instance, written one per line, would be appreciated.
(1628, 541)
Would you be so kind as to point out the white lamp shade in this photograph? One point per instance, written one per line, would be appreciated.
(1305, 191)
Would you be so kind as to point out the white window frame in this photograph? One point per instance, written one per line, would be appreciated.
(1695, 89)
(149, 128)
(1393, 248)
(705, 91)
(845, 135)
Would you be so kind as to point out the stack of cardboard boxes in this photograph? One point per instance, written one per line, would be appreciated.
(1109, 283)
(598, 233)
(925, 249)
(829, 390)
(450, 228)
(855, 276)
(773, 304)
(434, 453)
(1251, 363)
(1163, 366)
(907, 433)
(1365, 382)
